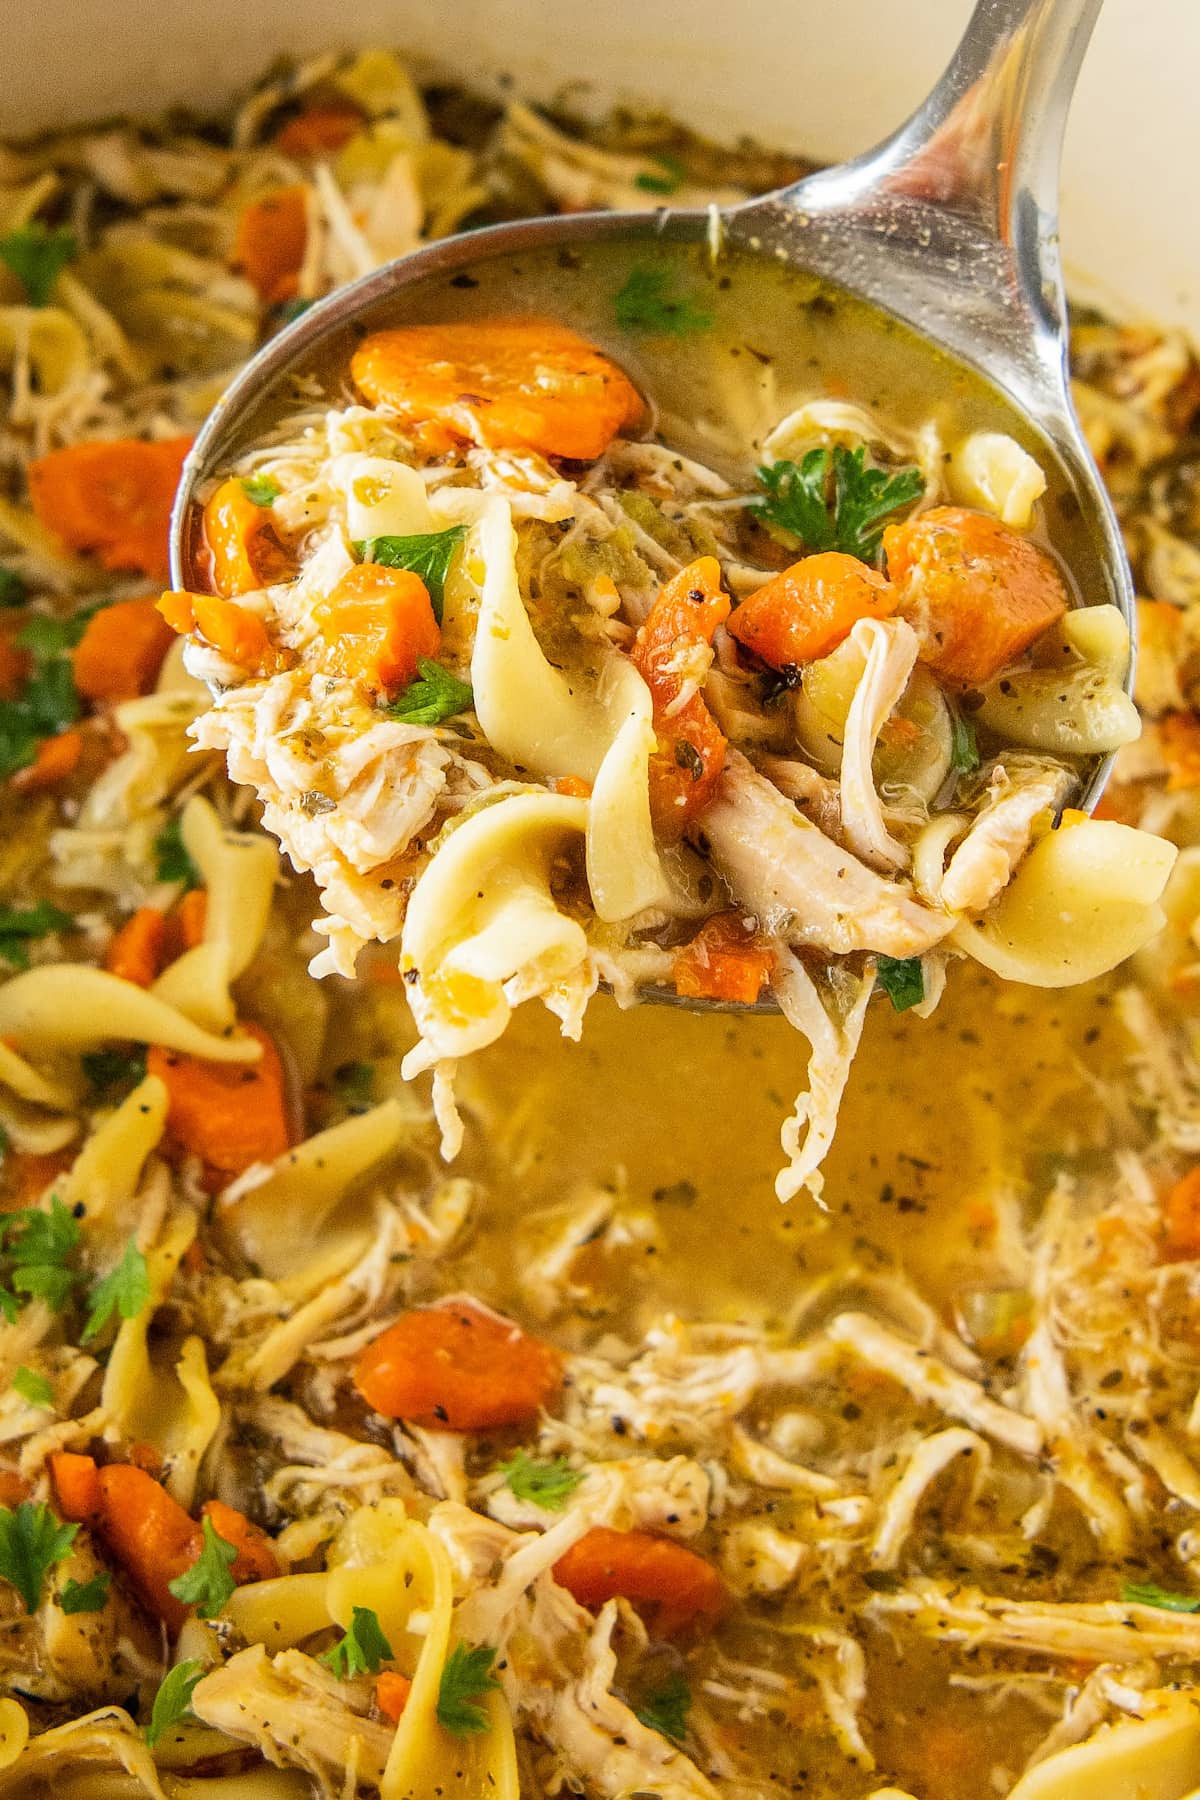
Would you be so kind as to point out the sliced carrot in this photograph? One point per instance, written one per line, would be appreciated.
(1179, 741)
(121, 651)
(192, 917)
(376, 623)
(572, 785)
(242, 543)
(391, 1694)
(137, 952)
(806, 610)
(76, 1484)
(29, 1173)
(145, 1456)
(270, 240)
(670, 648)
(672, 1586)
(149, 1534)
(55, 759)
(726, 960)
(256, 1558)
(505, 383)
(14, 670)
(1181, 1219)
(459, 1367)
(978, 592)
(320, 130)
(112, 497)
(239, 634)
(13, 1488)
(231, 1115)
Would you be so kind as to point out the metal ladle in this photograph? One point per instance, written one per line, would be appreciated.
(950, 224)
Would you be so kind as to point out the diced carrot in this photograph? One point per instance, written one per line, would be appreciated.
(137, 952)
(29, 1173)
(376, 623)
(391, 1694)
(458, 1367)
(55, 759)
(192, 915)
(256, 1558)
(234, 630)
(13, 1488)
(1179, 741)
(669, 1584)
(113, 497)
(242, 543)
(805, 611)
(76, 1484)
(978, 592)
(1181, 1219)
(574, 786)
(229, 1114)
(505, 383)
(671, 648)
(726, 960)
(320, 130)
(121, 651)
(149, 1534)
(269, 243)
(14, 669)
(145, 1456)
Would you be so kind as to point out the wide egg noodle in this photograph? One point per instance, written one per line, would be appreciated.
(990, 470)
(382, 498)
(625, 874)
(1156, 1757)
(68, 1007)
(105, 1175)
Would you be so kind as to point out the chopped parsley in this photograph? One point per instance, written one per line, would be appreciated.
(548, 1482)
(964, 751)
(32, 1540)
(427, 554)
(294, 309)
(352, 1083)
(902, 980)
(261, 489)
(435, 696)
(361, 1650)
(18, 924)
(173, 1700)
(648, 303)
(208, 1584)
(110, 1072)
(36, 1246)
(172, 862)
(466, 1678)
(32, 1387)
(47, 636)
(46, 705)
(666, 1709)
(1148, 1593)
(13, 591)
(667, 176)
(37, 256)
(125, 1290)
(85, 1596)
(831, 500)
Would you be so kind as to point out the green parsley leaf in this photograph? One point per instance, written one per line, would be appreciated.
(261, 489)
(964, 751)
(902, 980)
(37, 1245)
(353, 1082)
(208, 1584)
(851, 517)
(294, 309)
(668, 181)
(362, 1649)
(32, 1540)
(113, 1071)
(173, 1700)
(647, 303)
(37, 255)
(666, 1709)
(85, 1596)
(47, 636)
(13, 591)
(1148, 1593)
(47, 704)
(427, 554)
(466, 1678)
(19, 924)
(125, 1290)
(548, 1482)
(33, 1387)
(172, 860)
(435, 696)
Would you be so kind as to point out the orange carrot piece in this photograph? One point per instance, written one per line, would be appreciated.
(14, 669)
(256, 1559)
(269, 243)
(149, 1534)
(242, 543)
(320, 130)
(229, 1114)
(978, 592)
(76, 1483)
(29, 1173)
(806, 610)
(1179, 740)
(121, 651)
(376, 623)
(391, 1694)
(192, 917)
(112, 497)
(673, 643)
(13, 1488)
(725, 960)
(55, 759)
(505, 383)
(234, 630)
(572, 785)
(1181, 1219)
(458, 1367)
(670, 1585)
(136, 952)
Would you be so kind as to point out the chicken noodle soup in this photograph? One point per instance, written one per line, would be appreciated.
(582, 1466)
(688, 661)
